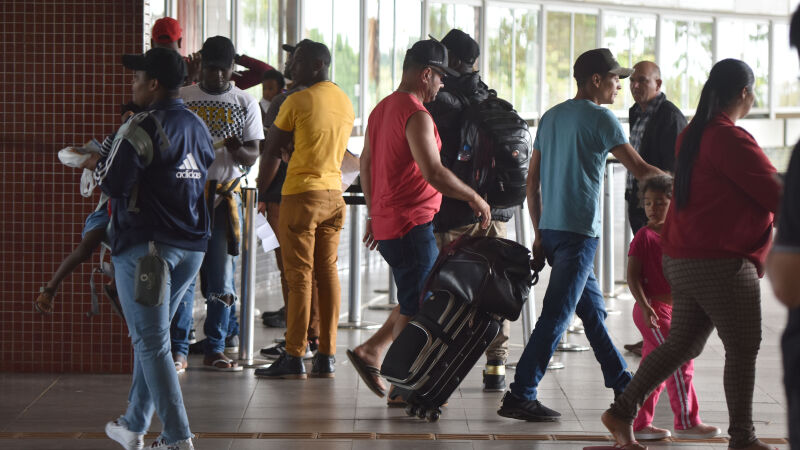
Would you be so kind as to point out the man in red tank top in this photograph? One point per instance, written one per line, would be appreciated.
(403, 180)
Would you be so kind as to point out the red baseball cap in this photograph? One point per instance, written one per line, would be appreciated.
(166, 30)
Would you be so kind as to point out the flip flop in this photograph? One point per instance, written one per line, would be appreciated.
(180, 363)
(366, 372)
(44, 302)
(397, 397)
(232, 366)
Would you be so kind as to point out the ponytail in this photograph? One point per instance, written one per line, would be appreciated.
(725, 82)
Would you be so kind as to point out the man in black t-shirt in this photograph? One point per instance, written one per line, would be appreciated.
(783, 266)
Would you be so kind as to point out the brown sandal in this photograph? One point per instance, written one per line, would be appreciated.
(44, 302)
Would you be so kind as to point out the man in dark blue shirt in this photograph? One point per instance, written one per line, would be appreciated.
(155, 174)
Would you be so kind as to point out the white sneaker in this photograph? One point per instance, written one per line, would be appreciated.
(180, 445)
(126, 438)
(699, 431)
(651, 433)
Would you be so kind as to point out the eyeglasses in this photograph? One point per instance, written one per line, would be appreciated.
(442, 75)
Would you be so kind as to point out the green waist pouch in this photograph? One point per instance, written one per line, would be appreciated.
(152, 274)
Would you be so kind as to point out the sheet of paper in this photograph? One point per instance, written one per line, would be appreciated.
(264, 232)
(350, 169)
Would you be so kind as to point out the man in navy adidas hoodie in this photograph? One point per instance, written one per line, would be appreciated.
(155, 174)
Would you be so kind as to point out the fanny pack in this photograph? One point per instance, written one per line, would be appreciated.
(152, 274)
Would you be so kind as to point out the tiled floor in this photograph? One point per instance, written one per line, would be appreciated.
(240, 403)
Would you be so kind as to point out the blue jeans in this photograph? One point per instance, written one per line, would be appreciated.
(411, 258)
(155, 383)
(218, 280)
(182, 322)
(572, 289)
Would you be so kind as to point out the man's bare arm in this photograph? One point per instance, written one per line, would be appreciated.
(271, 159)
(422, 141)
(632, 161)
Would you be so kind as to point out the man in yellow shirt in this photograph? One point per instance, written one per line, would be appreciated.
(312, 210)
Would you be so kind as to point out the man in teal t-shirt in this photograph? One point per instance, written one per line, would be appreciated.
(569, 156)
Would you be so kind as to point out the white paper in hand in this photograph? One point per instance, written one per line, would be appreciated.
(264, 232)
(350, 169)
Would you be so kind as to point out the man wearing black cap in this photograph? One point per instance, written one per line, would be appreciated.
(234, 119)
(155, 175)
(455, 217)
(403, 180)
(569, 156)
(269, 202)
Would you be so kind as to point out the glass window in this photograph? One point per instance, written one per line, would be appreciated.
(562, 50)
(392, 27)
(513, 51)
(158, 9)
(191, 19)
(339, 29)
(443, 17)
(787, 86)
(748, 41)
(526, 73)
(258, 33)
(218, 18)
(632, 39)
(685, 60)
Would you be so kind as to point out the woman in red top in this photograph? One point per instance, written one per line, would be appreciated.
(715, 239)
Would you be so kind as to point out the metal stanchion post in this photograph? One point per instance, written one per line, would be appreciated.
(522, 228)
(354, 301)
(392, 291)
(598, 254)
(247, 310)
(608, 232)
(608, 284)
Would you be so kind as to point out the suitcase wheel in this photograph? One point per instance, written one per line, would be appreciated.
(422, 412)
(433, 415)
(411, 410)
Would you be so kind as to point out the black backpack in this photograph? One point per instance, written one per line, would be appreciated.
(498, 143)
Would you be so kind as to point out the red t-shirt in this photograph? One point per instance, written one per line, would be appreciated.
(400, 197)
(646, 246)
(733, 195)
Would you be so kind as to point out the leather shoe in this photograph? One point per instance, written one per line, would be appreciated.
(286, 367)
(322, 366)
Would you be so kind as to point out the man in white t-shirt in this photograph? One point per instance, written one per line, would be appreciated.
(234, 119)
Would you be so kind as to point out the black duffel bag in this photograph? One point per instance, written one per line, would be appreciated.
(493, 273)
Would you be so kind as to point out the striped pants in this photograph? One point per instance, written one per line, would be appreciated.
(682, 397)
(707, 293)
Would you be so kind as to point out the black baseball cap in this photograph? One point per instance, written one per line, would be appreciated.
(462, 45)
(163, 64)
(291, 48)
(430, 52)
(599, 60)
(218, 51)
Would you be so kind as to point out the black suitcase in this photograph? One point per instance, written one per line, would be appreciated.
(436, 350)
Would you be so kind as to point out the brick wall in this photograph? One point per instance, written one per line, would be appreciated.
(62, 84)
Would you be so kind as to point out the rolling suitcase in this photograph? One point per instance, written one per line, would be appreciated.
(475, 283)
(436, 350)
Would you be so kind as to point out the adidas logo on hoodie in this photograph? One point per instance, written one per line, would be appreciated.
(188, 168)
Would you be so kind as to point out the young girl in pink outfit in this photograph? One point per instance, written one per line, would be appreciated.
(652, 314)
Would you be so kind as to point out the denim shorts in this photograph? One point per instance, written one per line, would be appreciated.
(95, 220)
(411, 257)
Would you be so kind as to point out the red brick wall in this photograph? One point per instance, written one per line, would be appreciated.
(61, 84)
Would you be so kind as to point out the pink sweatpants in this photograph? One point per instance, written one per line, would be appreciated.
(680, 389)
